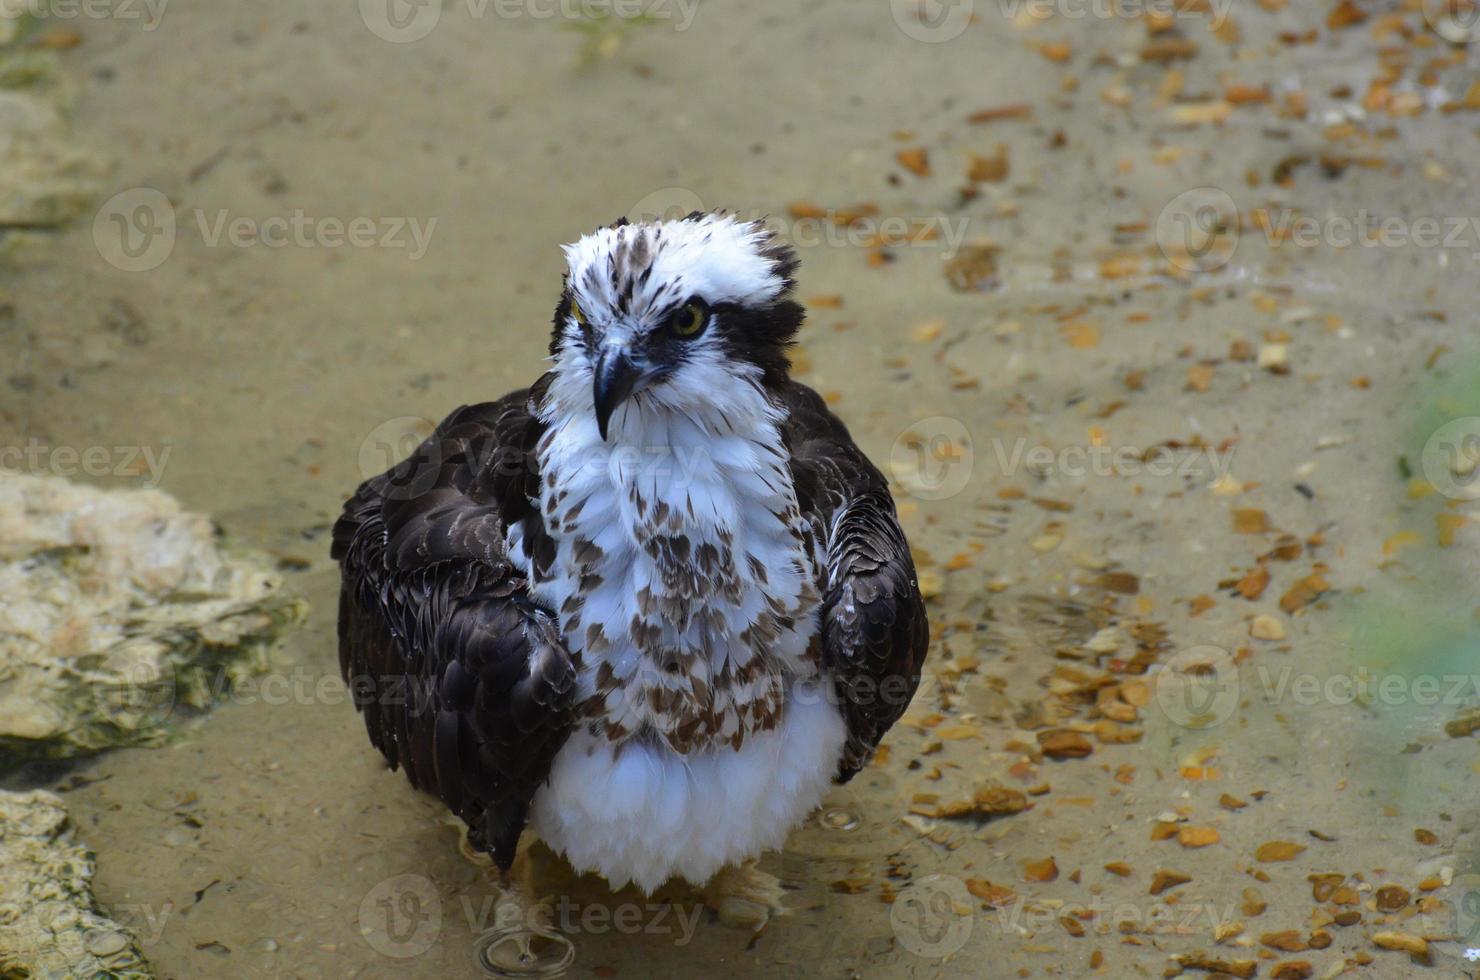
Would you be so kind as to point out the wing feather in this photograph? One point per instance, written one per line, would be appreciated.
(463, 681)
(875, 632)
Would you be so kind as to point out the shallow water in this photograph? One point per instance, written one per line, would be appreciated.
(268, 840)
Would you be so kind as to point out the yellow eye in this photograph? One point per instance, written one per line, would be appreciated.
(691, 320)
(576, 313)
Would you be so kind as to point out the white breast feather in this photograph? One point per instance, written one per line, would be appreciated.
(649, 814)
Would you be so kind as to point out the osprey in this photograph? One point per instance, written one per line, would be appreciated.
(651, 606)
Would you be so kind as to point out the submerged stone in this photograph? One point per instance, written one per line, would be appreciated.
(50, 924)
(47, 177)
(120, 610)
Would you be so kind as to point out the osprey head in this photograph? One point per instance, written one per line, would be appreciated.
(670, 313)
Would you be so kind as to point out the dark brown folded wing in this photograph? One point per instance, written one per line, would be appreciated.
(874, 629)
(463, 681)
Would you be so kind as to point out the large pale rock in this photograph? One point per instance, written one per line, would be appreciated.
(119, 610)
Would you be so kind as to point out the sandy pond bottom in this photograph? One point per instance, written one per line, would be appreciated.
(1203, 602)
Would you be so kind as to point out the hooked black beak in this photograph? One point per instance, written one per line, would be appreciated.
(615, 378)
